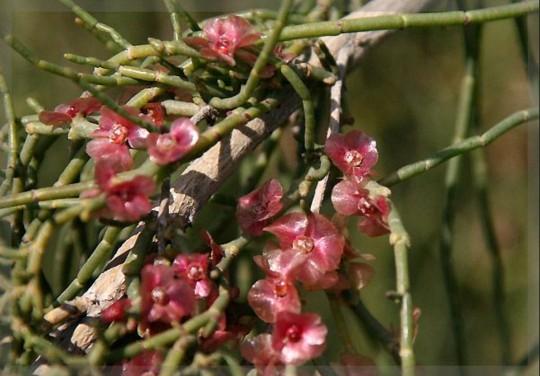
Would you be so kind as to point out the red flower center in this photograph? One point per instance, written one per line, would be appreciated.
(159, 296)
(195, 273)
(294, 334)
(118, 134)
(281, 288)
(353, 158)
(304, 244)
(365, 207)
(223, 44)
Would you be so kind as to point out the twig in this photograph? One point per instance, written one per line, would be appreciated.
(405, 21)
(408, 171)
(401, 243)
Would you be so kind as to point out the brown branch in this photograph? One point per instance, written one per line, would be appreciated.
(207, 174)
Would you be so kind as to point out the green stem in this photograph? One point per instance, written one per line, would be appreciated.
(176, 355)
(467, 145)
(232, 250)
(100, 253)
(42, 194)
(175, 18)
(307, 102)
(255, 74)
(153, 76)
(179, 108)
(399, 239)
(405, 21)
(93, 24)
(13, 156)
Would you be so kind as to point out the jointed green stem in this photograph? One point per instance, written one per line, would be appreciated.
(307, 102)
(401, 243)
(100, 253)
(175, 18)
(405, 21)
(13, 156)
(153, 76)
(93, 24)
(468, 144)
(180, 108)
(255, 74)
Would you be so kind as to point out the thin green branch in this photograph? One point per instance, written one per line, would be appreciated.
(13, 156)
(175, 18)
(467, 145)
(92, 24)
(155, 76)
(100, 253)
(399, 239)
(255, 74)
(405, 21)
(307, 102)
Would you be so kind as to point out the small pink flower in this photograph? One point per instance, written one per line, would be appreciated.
(269, 296)
(128, 200)
(350, 197)
(165, 299)
(119, 130)
(63, 113)
(255, 210)
(298, 337)
(260, 352)
(153, 113)
(222, 37)
(354, 153)
(116, 311)
(316, 238)
(170, 147)
(146, 363)
(193, 268)
(116, 155)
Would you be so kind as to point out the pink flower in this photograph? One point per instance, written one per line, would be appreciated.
(259, 351)
(119, 130)
(193, 268)
(153, 113)
(63, 113)
(298, 337)
(350, 197)
(116, 311)
(146, 363)
(255, 210)
(222, 37)
(170, 147)
(316, 238)
(165, 299)
(128, 201)
(269, 296)
(116, 155)
(353, 153)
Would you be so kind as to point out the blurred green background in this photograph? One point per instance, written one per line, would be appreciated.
(405, 95)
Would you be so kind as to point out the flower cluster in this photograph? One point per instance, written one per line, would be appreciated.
(171, 293)
(355, 154)
(110, 148)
